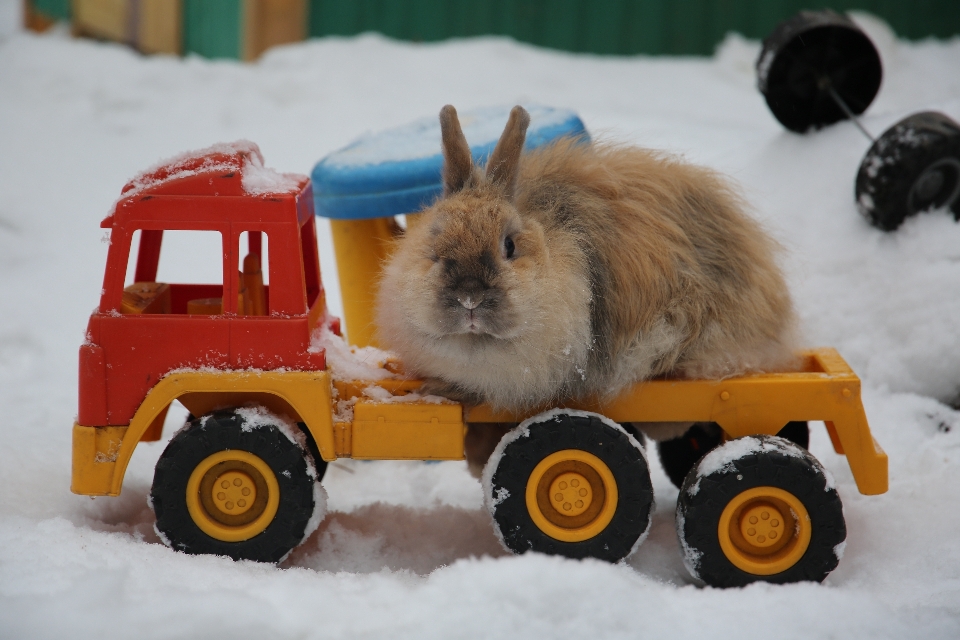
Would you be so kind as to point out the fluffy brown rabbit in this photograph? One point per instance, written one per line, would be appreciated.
(577, 269)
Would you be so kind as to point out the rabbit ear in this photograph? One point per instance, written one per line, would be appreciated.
(457, 161)
(504, 162)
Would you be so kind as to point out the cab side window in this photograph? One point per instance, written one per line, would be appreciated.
(178, 272)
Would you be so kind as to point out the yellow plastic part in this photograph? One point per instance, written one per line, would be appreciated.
(764, 530)
(305, 396)
(95, 451)
(205, 306)
(361, 247)
(824, 388)
(145, 297)
(571, 495)
(398, 430)
(155, 431)
(232, 495)
(407, 431)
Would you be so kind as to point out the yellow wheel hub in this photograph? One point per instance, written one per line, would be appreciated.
(234, 492)
(764, 530)
(762, 525)
(233, 495)
(571, 495)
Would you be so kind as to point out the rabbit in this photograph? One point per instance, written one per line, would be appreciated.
(576, 270)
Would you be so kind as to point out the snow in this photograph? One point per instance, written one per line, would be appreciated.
(260, 180)
(407, 549)
(349, 362)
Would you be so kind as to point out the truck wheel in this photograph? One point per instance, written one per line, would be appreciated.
(808, 55)
(677, 456)
(572, 484)
(914, 166)
(759, 508)
(228, 486)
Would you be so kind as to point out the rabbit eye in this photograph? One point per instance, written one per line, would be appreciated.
(508, 247)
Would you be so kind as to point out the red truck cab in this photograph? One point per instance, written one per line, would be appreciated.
(237, 323)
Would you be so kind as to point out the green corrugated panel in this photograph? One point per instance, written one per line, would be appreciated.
(611, 26)
(211, 28)
(56, 9)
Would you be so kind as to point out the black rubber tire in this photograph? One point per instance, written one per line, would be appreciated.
(638, 435)
(221, 431)
(914, 166)
(631, 519)
(777, 463)
(677, 456)
(806, 55)
(319, 464)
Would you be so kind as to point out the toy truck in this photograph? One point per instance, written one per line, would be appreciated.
(241, 478)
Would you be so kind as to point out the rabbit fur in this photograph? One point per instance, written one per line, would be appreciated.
(577, 269)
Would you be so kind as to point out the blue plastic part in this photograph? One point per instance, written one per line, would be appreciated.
(398, 171)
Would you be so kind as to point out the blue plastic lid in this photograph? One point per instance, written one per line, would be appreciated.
(398, 170)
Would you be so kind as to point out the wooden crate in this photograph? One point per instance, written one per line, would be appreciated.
(160, 26)
(151, 26)
(242, 29)
(267, 23)
(103, 19)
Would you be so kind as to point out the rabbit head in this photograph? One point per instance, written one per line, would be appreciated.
(475, 291)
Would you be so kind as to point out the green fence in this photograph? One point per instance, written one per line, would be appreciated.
(212, 28)
(610, 26)
(55, 9)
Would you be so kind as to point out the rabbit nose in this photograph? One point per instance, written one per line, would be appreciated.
(470, 302)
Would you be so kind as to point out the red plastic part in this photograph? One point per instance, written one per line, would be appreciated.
(148, 256)
(93, 388)
(126, 354)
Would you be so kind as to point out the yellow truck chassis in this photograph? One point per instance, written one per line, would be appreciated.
(824, 389)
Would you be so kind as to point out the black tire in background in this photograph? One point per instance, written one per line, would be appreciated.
(807, 55)
(914, 166)
(678, 455)
(515, 462)
(224, 431)
(771, 463)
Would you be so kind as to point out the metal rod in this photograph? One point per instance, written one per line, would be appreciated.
(850, 114)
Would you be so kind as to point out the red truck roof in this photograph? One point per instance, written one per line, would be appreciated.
(230, 169)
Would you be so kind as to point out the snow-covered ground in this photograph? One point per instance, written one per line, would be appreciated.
(407, 550)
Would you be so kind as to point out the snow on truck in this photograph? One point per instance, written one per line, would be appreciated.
(270, 388)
